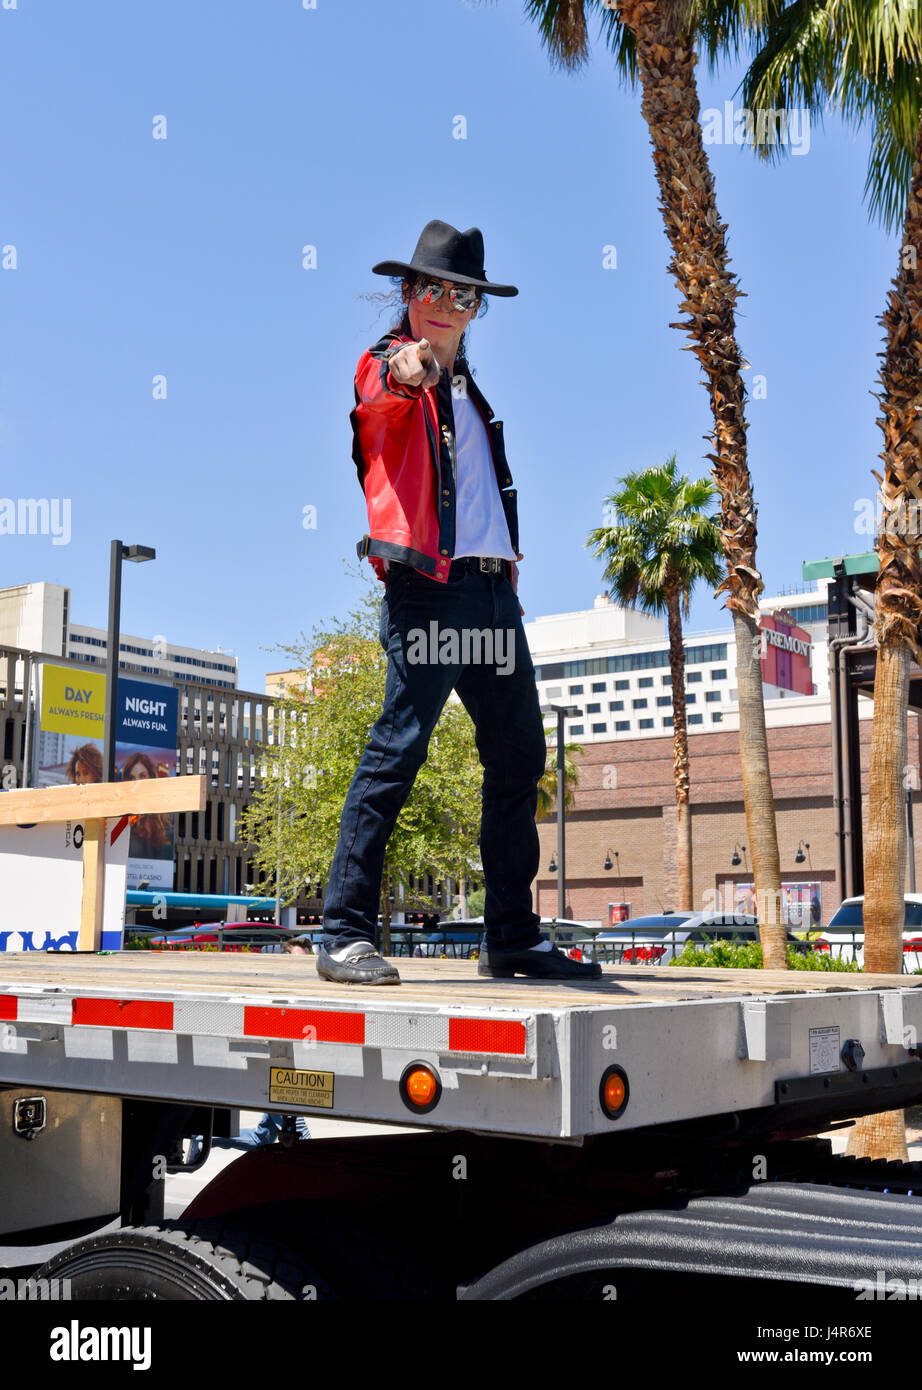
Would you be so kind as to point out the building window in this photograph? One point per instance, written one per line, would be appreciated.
(616, 704)
(696, 719)
(664, 699)
(599, 728)
(712, 695)
(667, 722)
(576, 728)
(638, 704)
(645, 724)
(717, 717)
(575, 690)
(594, 709)
(719, 675)
(622, 726)
(692, 677)
(645, 682)
(622, 685)
(811, 613)
(690, 699)
(597, 686)
(666, 680)
(636, 661)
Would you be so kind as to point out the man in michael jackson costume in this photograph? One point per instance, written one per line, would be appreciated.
(443, 538)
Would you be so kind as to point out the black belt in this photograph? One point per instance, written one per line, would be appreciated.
(482, 564)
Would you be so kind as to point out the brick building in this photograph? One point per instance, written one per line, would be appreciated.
(635, 819)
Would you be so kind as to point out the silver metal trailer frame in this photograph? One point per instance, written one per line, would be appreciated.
(510, 1058)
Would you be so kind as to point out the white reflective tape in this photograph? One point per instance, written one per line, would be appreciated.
(43, 1008)
(208, 1019)
(412, 1032)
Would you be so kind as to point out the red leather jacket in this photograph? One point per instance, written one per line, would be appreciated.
(404, 452)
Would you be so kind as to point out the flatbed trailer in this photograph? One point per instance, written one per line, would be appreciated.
(563, 1135)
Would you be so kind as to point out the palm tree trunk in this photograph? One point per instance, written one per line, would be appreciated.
(666, 66)
(898, 625)
(758, 797)
(885, 849)
(680, 752)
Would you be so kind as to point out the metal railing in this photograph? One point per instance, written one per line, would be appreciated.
(227, 939)
(628, 948)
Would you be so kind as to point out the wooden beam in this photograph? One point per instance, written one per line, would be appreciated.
(96, 800)
(91, 903)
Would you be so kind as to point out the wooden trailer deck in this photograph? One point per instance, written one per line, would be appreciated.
(424, 981)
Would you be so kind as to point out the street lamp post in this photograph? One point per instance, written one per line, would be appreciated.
(118, 553)
(562, 712)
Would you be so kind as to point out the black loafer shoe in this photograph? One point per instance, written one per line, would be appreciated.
(362, 968)
(539, 965)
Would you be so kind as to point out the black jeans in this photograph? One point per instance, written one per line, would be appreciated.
(466, 635)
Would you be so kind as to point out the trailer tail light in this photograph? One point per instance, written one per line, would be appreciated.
(614, 1092)
(420, 1088)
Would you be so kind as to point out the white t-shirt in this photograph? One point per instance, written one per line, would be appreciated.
(480, 522)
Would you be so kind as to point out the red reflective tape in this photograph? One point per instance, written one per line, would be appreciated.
(123, 1013)
(486, 1035)
(8, 1006)
(318, 1025)
(117, 829)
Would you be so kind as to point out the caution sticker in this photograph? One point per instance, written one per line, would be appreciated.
(301, 1087)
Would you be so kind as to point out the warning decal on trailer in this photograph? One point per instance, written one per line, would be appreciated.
(287, 1085)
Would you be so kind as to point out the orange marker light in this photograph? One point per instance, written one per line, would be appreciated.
(613, 1092)
(420, 1088)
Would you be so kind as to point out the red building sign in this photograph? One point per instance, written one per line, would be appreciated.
(786, 655)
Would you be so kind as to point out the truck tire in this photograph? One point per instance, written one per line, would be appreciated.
(203, 1261)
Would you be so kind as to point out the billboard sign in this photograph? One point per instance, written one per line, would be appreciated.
(69, 750)
(146, 732)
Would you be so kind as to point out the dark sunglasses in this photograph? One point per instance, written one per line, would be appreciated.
(463, 297)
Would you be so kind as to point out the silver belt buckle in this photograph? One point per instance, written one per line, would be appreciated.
(489, 564)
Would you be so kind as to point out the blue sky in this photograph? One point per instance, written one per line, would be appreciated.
(333, 127)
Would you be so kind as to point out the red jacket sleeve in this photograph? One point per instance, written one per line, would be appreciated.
(377, 389)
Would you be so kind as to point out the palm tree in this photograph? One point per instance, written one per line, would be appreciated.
(547, 787)
(664, 541)
(865, 56)
(655, 41)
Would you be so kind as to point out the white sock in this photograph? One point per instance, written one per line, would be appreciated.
(348, 952)
(542, 946)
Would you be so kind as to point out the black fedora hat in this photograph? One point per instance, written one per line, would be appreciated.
(447, 254)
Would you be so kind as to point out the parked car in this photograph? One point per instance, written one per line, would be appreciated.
(234, 936)
(657, 940)
(844, 936)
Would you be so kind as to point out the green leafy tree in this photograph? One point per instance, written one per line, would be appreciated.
(665, 539)
(321, 726)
